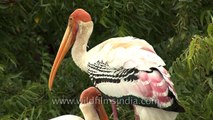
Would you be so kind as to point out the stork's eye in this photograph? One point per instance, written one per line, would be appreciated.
(70, 18)
(70, 21)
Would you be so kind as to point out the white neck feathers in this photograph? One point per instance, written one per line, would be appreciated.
(79, 49)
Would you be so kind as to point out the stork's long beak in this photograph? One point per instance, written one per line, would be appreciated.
(66, 44)
(101, 112)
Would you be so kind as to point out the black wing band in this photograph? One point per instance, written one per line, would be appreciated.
(101, 72)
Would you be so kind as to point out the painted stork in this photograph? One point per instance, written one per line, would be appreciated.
(90, 105)
(122, 68)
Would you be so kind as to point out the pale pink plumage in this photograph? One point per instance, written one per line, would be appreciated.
(153, 82)
(119, 67)
(156, 85)
(130, 52)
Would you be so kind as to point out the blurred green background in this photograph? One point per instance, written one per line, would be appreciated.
(181, 31)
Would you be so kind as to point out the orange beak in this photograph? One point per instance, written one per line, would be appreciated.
(65, 45)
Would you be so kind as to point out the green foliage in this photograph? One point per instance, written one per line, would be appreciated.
(192, 75)
(31, 31)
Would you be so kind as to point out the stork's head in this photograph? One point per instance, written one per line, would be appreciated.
(79, 15)
(92, 96)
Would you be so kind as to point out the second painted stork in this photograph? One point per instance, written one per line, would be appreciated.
(91, 106)
(122, 68)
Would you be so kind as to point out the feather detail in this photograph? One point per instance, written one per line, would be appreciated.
(129, 68)
(146, 88)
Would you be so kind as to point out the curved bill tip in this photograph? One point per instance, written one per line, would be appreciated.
(50, 87)
(63, 49)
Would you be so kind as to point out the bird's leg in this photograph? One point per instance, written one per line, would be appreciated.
(136, 114)
(114, 110)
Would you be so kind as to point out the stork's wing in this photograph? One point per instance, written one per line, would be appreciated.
(129, 68)
(126, 52)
